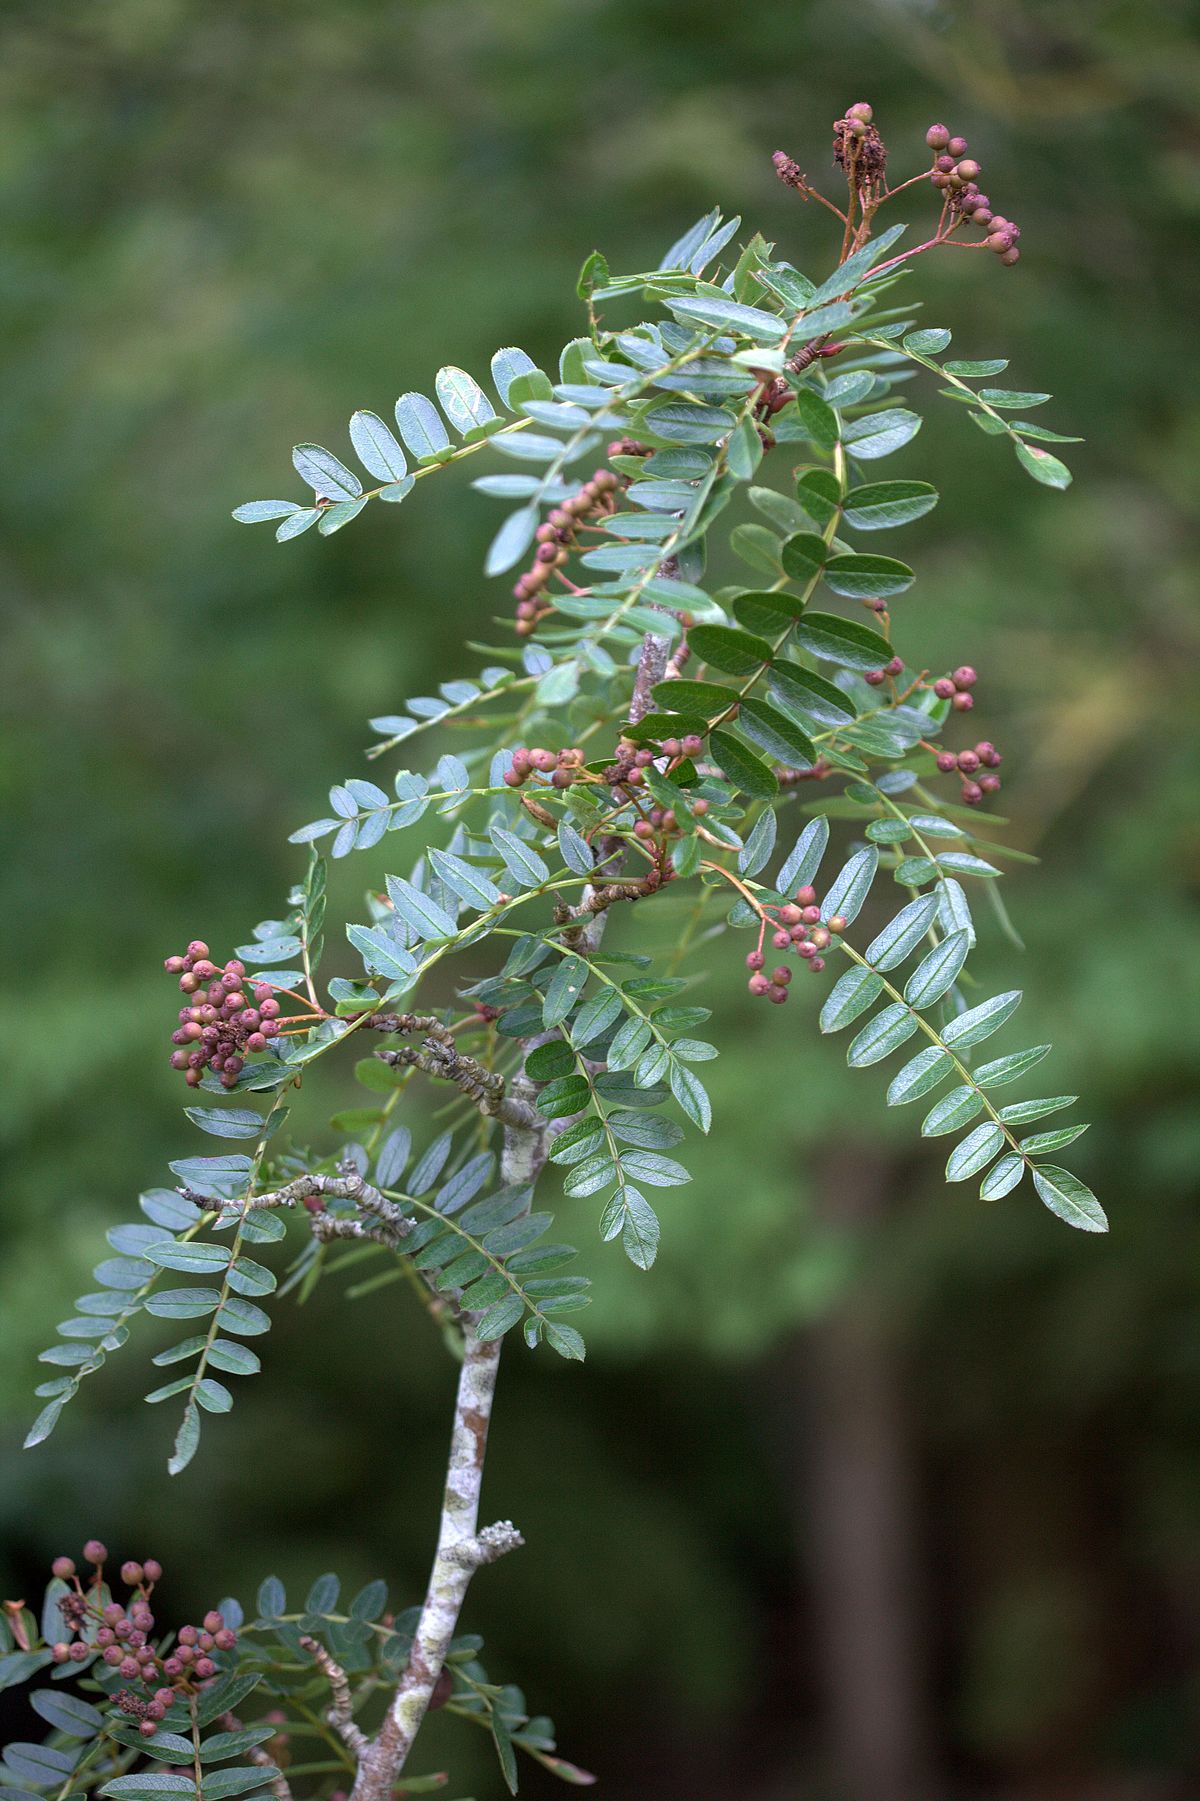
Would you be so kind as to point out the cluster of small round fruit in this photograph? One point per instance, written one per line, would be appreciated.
(121, 1635)
(556, 539)
(967, 763)
(559, 767)
(223, 1023)
(857, 145)
(798, 927)
(957, 175)
(876, 677)
(632, 760)
(956, 688)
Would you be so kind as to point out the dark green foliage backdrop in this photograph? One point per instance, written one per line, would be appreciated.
(226, 227)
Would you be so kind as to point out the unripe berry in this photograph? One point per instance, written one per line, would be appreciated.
(944, 165)
(947, 761)
(968, 762)
(944, 688)
(895, 666)
(969, 169)
(806, 895)
(758, 984)
(937, 137)
(693, 744)
(790, 914)
(1011, 256)
(861, 110)
(837, 923)
(173, 965)
(94, 1551)
(806, 950)
(781, 976)
(148, 1728)
(817, 965)
(131, 1573)
(964, 676)
(981, 216)
(972, 793)
(197, 948)
(189, 983)
(957, 147)
(820, 937)
(700, 807)
(225, 1640)
(811, 914)
(776, 995)
(875, 677)
(781, 940)
(990, 784)
(61, 1652)
(204, 968)
(962, 703)
(62, 1567)
(113, 1655)
(152, 1569)
(755, 960)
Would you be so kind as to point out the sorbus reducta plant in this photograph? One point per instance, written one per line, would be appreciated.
(671, 732)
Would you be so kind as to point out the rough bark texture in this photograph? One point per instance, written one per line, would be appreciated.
(461, 1547)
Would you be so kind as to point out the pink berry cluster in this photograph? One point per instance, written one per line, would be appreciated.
(968, 763)
(875, 678)
(956, 688)
(559, 767)
(957, 175)
(797, 927)
(222, 1023)
(121, 1634)
(556, 539)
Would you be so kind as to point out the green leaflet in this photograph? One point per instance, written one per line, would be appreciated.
(853, 992)
(882, 1035)
(1068, 1197)
(937, 972)
(974, 1152)
(952, 1111)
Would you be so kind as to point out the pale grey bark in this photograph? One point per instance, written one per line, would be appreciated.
(461, 1548)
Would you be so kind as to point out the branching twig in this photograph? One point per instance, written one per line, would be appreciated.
(461, 1548)
(340, 1713)
(438, 1055)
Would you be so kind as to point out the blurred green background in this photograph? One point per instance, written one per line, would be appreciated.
(885, 1496)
